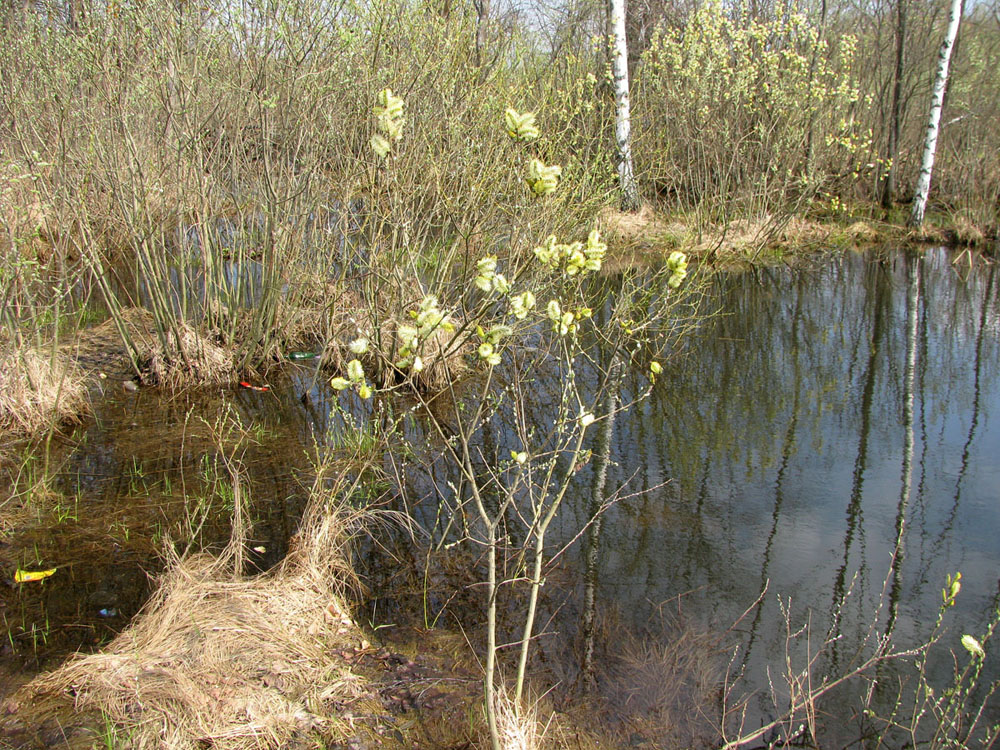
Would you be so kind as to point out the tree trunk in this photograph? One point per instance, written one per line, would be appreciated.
(482, 20)
(619, 71)
(895, 115)
(934, 121)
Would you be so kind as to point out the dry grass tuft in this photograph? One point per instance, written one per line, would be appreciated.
(219, 660)
(184, 357)
(799, 232)
(443, 354)
(333, 316)
(27, 221)
(966, 232)
(639, 232)
(517, 725)
(642, 236)
(39, 390)
(862, 232)
(741, 238)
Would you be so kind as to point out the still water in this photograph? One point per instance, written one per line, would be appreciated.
(829, 419)
(797, 439)
(824, 423)
(828, 444)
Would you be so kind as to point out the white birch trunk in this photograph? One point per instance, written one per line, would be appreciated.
(619, 71)
(934, 121)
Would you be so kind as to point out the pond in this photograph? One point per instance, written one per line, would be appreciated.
(830, 419)
(827, 421)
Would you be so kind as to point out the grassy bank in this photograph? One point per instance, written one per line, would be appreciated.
(646, 236)
(280, 659)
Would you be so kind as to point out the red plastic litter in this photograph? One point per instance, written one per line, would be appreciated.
(245, 384)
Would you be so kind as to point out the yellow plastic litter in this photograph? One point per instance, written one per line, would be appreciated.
(26, 576)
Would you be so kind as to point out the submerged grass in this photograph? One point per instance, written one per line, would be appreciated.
(665, 688)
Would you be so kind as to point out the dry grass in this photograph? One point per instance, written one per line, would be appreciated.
(189, 358)
(38, 391)
(966, 232)
(221, 660)
(186, 358)
(101, 348)
(644, 236)
(26, 220)
(443, 354)
(746, 239)
(633, 236)
(862, 233)
(536, 724)
(332, 316)
(518, 725)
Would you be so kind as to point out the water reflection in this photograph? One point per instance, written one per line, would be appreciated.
(828, 437)
(829, 422)
(139, 475)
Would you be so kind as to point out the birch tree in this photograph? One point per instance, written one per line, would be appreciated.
(619, 71)
(934, 121)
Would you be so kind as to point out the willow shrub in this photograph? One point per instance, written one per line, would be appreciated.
(182, 144)
(447, 191)
(526, 321)
(737, 117)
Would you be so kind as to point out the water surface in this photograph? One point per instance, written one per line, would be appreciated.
(830, 420)
(824, 423)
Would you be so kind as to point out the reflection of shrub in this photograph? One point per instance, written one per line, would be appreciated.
(38, 390)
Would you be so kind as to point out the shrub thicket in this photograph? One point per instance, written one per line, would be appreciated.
(212, 164)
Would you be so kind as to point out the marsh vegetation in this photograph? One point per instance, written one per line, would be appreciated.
(396, 225)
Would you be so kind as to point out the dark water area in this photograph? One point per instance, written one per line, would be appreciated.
(798, 441)
(830, 418)
(825, 422)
